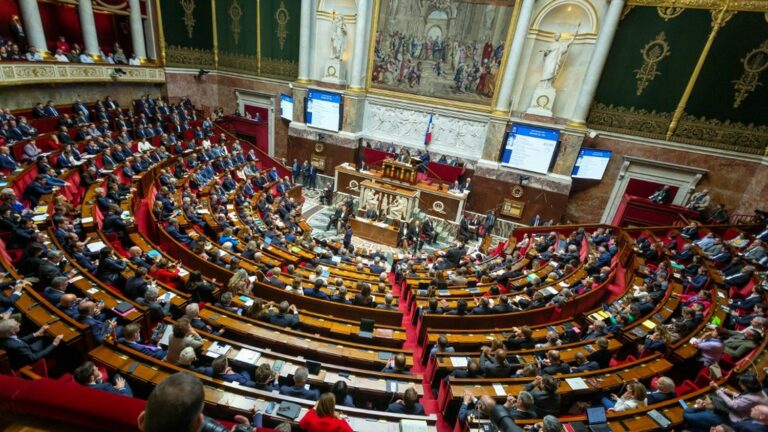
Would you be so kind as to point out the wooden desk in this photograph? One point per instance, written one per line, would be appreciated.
(374, 231)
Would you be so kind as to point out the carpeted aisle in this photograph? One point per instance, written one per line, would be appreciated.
(412, 343)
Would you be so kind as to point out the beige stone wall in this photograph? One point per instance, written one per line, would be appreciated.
(741, 185)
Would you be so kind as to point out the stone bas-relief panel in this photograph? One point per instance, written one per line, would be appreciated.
(450, 135)
(441, 48)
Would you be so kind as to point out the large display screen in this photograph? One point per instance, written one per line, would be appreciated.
(530, 148)
(324, 110)
(591, 164)
(286, 107)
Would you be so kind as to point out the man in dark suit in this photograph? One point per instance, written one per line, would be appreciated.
(409, 404)
(348, 238)
(466, 187)
(494, 365)
(27, 349)
(90, 376)
(757, 423)
(52, 266)
(136, 285)
(38, 111)
(286, 316)
(7, 162)
(50, 110)
(316, 290)
(54, 292)
(37, 189)
(131, 334)
(297, 389)
(173, 230)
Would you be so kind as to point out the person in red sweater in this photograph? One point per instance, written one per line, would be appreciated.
(323, 417)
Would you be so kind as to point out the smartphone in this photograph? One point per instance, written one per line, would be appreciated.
(683, 404)
(270, 407)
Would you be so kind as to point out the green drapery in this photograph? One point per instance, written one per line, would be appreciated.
(188, 38)
(280, 22)
(236, 30)
(685, 36)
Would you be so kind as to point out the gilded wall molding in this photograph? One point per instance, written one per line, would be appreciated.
(238, 62)
(737, 137)
(183, 56)
(62, 73)
(738, 5)
(279, 68)
(653, 52)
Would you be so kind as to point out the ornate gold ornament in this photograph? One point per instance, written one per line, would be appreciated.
(653, 52)
(517, 191)
(183, 56)
(319, 147)
(723, 135)
(235, 13)
(738, 5)
(189, 19)
(282, 17)
(755, 62)
(721, 17)
(669, 12)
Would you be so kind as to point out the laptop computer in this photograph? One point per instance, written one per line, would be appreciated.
(366, 328)
(597, 420)
(313, 367)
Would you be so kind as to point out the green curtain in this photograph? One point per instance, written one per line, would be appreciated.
(189, 38)
(684, 35)
(280, 22)
(715, 93)
(236, 29)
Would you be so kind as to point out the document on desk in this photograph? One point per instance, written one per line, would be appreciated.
(95, 247)
(413, 425)
(248, 356)
(499, 389)
(459, 362)
(577, 383)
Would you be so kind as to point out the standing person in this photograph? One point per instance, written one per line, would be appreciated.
(17, 31)
(348, 238)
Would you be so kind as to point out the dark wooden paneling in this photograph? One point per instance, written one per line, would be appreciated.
(490, 193)
(302, 149)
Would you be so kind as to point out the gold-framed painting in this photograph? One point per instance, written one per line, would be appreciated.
(440, 49)
(318, 162)
(512, 208)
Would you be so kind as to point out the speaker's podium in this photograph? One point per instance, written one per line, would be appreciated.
(391, 203)
(399, 171)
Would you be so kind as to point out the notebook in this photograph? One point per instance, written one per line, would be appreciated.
(597, 420)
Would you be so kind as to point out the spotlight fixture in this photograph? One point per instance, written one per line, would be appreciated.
(201, 73)
(118, 72)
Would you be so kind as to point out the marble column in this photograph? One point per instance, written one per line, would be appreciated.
(597, 64)
(360, 60)
(513, 59)
(137, 29)
(304, 40)
(33, 25)
(88, 24)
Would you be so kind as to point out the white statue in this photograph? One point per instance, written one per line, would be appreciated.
(554, 56)
(339, 36)
(397, 209)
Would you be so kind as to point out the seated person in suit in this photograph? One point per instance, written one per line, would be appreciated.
(297, 389)
(494, 364)
(265, 378)
(131, 336)
(54, 292)
(89, 375)
(27, 349)
(397, 365)
(389, 303)
(158, 308)
(286, 316)
(665, 390)
(89, 313)
(409, 404)
(316, 290)
(220, 369)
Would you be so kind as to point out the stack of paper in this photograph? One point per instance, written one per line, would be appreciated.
(499, 389)
(217, 349)
(577, 383)
(459, 361)
(247, 356)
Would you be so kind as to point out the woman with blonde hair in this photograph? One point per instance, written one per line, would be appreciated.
(239, 284)
(324, 417)
(633, 397)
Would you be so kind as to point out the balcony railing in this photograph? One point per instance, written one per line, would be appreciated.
(24, 73)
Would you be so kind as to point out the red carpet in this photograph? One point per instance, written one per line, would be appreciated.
(411, 343)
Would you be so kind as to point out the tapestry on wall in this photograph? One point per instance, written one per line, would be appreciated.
(440, 48)
(188, 32)
(237, 35)
(280, 24)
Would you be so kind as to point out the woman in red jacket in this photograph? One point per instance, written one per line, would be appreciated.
(166, 273)
(323, 417)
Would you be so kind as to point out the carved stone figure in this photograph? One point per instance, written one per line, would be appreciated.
(554, 55)
(339, 36)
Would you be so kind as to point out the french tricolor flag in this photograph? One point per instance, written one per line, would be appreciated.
(428, 136)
